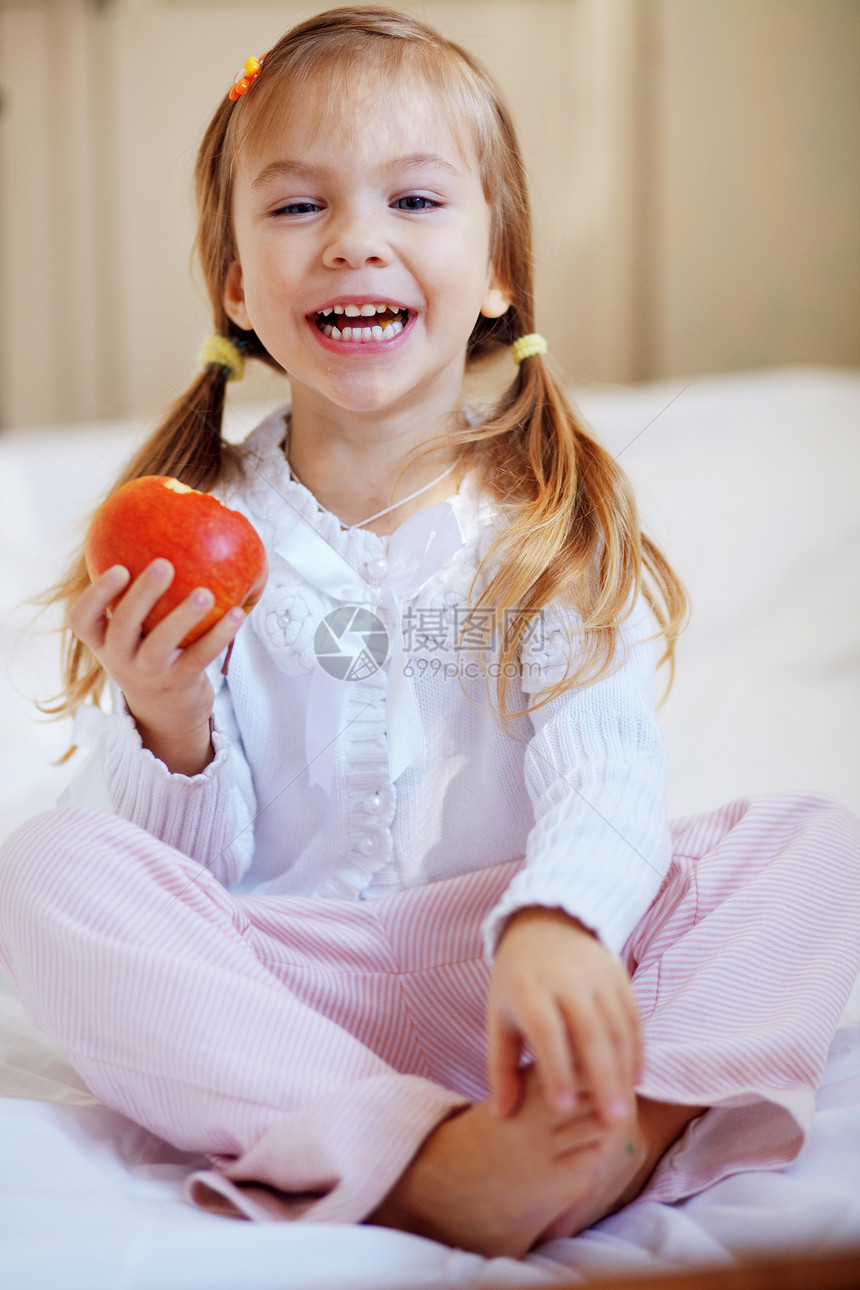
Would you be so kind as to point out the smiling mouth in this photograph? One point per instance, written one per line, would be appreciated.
(362, 322)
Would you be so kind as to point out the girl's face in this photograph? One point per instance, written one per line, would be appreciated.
(363, 250)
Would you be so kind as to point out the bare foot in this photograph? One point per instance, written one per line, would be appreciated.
(494, 1186)
(500, 1187)
(626, 1160)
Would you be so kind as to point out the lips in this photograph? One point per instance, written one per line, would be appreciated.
(360, 323)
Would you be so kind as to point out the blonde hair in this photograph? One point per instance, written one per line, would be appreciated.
(574, 532)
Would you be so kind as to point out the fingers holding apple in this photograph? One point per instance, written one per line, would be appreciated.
(110, 618)
(88, 618)
(167, 643)
(166, 688)
(127, 613)
(174, 573)
(208, 544)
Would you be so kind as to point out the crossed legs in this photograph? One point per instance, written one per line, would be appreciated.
(334, 1053)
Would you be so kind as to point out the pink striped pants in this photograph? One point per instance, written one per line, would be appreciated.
(309, 1046)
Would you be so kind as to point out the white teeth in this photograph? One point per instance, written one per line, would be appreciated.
(359, 334)
(358, 311)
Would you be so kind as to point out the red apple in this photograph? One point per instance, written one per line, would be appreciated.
(208, 544)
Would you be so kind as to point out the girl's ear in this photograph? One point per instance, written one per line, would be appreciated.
(234, 297)
(497, 300)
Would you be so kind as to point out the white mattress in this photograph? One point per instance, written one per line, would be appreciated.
(749, 481)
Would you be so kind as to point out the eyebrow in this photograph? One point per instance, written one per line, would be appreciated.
(302, 170)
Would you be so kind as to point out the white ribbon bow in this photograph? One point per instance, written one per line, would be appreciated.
(417, 550)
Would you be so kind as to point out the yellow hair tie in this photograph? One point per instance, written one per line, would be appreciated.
(218, 349)
(528, 346)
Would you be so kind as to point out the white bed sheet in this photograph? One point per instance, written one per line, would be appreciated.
(749, 481)
(89, 1201)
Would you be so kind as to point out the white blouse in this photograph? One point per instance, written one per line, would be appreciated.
(358, 746)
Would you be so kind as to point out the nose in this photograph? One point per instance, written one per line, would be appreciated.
(355, 239)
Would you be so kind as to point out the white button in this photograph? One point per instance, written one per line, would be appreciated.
(367, 844)
(373, 803)
(378, 568)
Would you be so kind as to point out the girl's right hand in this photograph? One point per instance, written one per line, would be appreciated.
(165, 687)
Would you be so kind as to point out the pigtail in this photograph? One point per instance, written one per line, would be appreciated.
(574, 534)
(187, 445)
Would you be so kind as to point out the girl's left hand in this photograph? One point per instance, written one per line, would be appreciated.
(556, 988)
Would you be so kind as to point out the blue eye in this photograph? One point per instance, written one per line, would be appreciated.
(296, 208)
(415, 202)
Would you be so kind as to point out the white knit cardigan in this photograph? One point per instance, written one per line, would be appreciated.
(403, 775)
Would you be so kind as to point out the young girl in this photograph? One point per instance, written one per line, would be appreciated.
(387, 920)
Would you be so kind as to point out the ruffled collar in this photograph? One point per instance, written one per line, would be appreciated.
(276, 498)
(359, 572)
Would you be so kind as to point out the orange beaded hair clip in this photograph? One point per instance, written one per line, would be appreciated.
(245, 79)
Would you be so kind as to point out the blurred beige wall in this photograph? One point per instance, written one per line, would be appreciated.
(695, 168)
